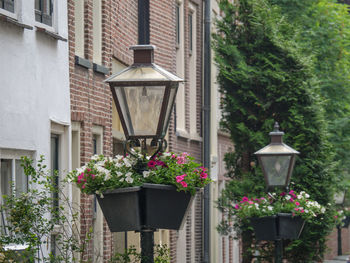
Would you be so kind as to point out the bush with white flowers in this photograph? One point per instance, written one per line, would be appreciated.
(297, 204)
(103, 173)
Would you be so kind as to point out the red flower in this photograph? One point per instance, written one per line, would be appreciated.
(151, 164)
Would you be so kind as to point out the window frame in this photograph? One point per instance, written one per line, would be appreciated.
(41, 17)
(10, 3)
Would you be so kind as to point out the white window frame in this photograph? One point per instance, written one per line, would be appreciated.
(14, 14)
(51, 28)
(97, 131)
(12, 154)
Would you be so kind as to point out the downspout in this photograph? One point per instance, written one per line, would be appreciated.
(143, 22)
(206, 126)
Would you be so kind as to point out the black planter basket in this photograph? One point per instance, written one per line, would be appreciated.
(280, 226)
(346, 221)
(148, 206)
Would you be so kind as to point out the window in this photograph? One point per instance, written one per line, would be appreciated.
(97, 32)
(43, 11)
(177, 17)
(190, 32)
(8, 5)
(79, 27)
(12, 177)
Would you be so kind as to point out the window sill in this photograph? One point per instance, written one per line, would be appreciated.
(50, 33)
(189, 136)
(83, 62)
(100, 69)
(14, 21)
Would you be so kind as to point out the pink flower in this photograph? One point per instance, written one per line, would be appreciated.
(160, 163)
(88, 170)
(291, 192)
(93, 176)
(151, 164)
(83, 186)
(203, 175)
(179, 178)
(296, 209)
(283, 194)
(180, 160)
(302, 211)
(184, 184)
(297, 203)
(245, 199)
(250, 202)
(236, 206)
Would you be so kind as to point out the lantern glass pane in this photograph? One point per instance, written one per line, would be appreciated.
(141, 106)
(169, 108)
(339, 198)
(276, 168)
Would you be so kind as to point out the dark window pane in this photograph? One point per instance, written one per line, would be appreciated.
(190, 31)
(177, 17)
(43, 11)
(8, 5)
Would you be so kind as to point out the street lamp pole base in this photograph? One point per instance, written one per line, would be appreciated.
(147, 245)
(278, 251)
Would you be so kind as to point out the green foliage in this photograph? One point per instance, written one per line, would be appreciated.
(34, 216)
(265, 75)
(130, 255)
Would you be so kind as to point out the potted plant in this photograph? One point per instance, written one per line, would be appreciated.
(277, 216)
(138, 191)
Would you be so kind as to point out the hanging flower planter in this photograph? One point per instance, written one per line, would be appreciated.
(280, 226)
(148, 206)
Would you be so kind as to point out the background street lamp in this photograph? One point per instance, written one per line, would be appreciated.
(277, 162)
(339, 199)
(144, 94)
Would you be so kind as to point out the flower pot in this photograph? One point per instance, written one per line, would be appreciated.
(148, 206)
(265, 228)
(280, 226)
(289, 227)
(346, 221)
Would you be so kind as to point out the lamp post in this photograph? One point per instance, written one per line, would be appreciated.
(144, 94)
(277, 162)
(339, 199)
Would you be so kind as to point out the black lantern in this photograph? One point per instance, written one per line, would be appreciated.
(144, 94)
(277, 160)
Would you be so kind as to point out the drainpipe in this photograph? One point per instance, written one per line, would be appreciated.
(143, 22)
(206, 127)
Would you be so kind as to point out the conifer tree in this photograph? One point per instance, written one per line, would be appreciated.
(264, 78)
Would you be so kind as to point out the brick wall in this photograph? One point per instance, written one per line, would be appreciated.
(332, 243)
(194, 243)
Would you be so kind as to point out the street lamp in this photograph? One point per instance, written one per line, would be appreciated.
(277, 160)
(144, 94)
(339, 199)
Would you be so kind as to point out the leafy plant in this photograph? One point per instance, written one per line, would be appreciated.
(35, 217)
(130, 255)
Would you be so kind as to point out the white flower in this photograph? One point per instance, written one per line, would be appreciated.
(299, 196)
(287, 197)
(323, 210)
(127, 162)
(129, 180)
(80, 170)
(270, 208)
(146, 173)
(95, 157)
(121, 179)
(167, 154)
(108, 175)
(307, 195)
(129, 174)
(119, 174)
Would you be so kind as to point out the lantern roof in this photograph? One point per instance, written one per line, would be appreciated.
(143, 69)
(276, 147)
